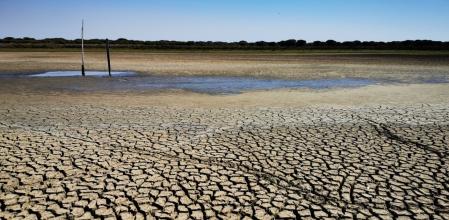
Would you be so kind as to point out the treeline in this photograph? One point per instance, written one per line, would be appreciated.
(26, 42)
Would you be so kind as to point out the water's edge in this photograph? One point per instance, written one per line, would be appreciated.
(131, 81)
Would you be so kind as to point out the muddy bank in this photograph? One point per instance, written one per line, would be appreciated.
(370, 95)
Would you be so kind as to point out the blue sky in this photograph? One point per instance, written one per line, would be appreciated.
(228, 20)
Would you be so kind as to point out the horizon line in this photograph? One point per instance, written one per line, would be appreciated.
(298, 39)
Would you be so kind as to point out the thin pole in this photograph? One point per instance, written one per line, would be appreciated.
(107, 54)
(82, 48)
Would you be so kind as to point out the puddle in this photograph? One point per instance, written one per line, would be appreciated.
(78, 74)
(239, 84)
(131, 81)
(202, 84)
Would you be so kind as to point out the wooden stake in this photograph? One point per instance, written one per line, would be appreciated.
(107, 54)
(82, 48)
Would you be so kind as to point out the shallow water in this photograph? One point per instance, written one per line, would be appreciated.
(131, 81)
(78, 74)
(238, 84)
(125, 81)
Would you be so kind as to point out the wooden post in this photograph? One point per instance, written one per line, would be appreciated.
(82, 48)
(109, 59)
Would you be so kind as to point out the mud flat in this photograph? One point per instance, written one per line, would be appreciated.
(291, 65)
(377, 151)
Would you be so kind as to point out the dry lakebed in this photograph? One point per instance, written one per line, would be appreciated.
(209, 144)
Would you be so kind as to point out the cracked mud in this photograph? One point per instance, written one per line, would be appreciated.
(88, 162)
